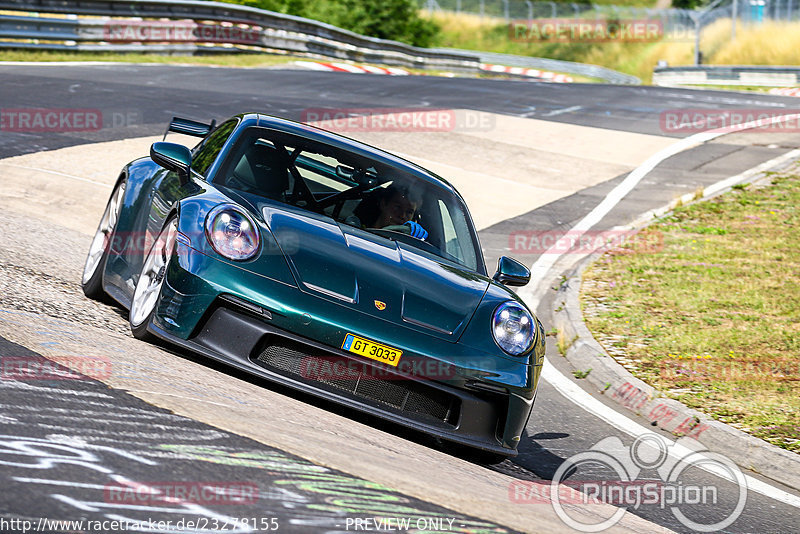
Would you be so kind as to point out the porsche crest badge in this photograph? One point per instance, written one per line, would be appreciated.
(380, 305)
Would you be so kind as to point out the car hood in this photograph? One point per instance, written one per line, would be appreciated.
(384, 278)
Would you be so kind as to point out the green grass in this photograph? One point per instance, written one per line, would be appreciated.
(746, 88)
(713, 319)
(227, 60)
(217, 60)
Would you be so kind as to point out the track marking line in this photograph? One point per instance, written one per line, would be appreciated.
(570, 390)
(545, 262)
(547, 259)
(561, 111)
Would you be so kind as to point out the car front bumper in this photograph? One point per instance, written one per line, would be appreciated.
(276, 331)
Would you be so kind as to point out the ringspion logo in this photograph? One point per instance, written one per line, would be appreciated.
(652, 472)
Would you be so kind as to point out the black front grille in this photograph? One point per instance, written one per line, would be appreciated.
(330, 371)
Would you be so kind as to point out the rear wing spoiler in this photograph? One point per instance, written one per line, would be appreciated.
(189, 127)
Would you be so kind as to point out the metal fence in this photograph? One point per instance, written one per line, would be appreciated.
(101, 25)
(508, 10)
(188, 25)
(747, 11)
(572, 67)
(765, 76)
(684, 24)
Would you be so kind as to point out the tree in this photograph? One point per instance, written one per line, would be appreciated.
(398, 20)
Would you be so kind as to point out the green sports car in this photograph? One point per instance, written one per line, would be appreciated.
(327, 265)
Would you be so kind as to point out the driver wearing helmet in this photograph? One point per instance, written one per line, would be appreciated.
(395, 211)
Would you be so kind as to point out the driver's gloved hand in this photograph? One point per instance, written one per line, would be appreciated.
(417, 230)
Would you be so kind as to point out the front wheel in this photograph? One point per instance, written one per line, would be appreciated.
(92, 279)
(148, 288)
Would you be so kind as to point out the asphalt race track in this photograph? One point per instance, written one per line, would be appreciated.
(73, 449)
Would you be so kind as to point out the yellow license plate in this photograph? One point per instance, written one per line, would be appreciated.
(370, 349)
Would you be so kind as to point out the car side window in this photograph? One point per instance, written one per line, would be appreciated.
(208, 151)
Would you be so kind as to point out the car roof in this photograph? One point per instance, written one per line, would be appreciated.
(345, 143)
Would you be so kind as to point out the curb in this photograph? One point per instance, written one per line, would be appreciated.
(611, 379)
(544, 75)
(351, 68)
(792, 91)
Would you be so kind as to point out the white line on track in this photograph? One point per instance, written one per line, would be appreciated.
(540, 269)
(543, 264)
(713, 189)
(570, 390)
(69, 483)
(562, 111)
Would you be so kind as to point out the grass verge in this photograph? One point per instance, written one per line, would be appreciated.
(221, 60)
(476, 33)
(216, 60)
(713, 319)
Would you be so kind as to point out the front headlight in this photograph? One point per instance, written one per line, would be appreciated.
(513, 328)
(232, 233)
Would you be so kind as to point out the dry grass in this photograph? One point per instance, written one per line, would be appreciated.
(223, 60)
(713, 319)
(771, 43)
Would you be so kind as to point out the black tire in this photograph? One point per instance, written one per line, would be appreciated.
(487, 458)
(147, 294)
(92, 277)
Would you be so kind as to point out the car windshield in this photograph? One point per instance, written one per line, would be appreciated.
(354, 190)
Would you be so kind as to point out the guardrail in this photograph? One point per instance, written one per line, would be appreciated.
(188, 20)
(275, 31)
(762, 76)
(582, 69)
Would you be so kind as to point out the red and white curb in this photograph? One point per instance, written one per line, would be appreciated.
(533, 73)
(355, 69)
(785, 91)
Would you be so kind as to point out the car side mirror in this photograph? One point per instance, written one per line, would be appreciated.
(173, 157)
(510, 272)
